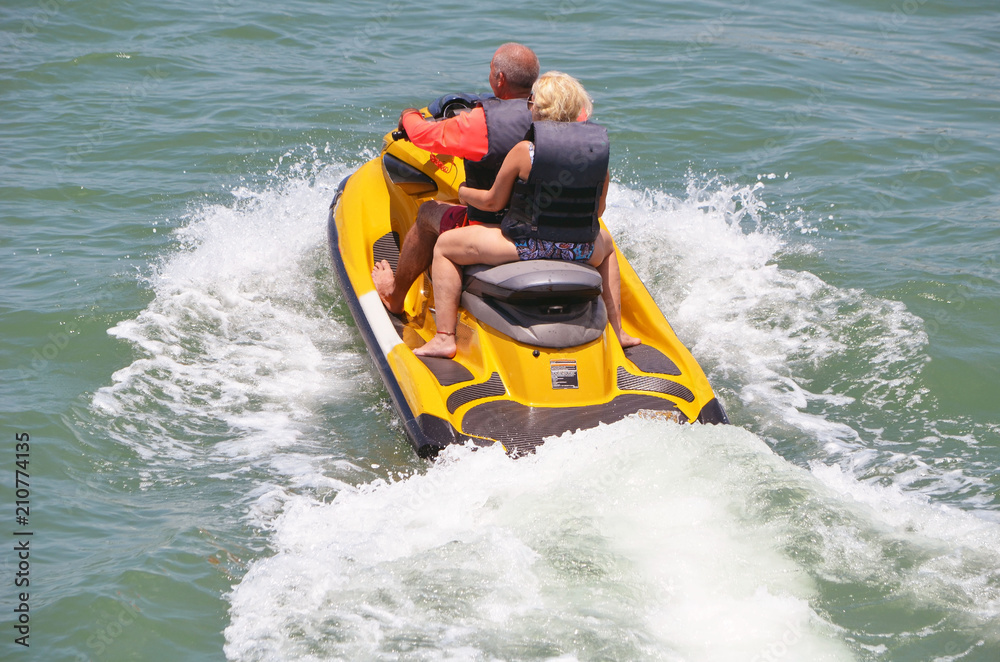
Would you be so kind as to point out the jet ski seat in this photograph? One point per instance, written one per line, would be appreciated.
(544, 303)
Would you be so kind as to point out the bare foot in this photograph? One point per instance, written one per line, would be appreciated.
(385, 285)
(442, 344)
(628, 341)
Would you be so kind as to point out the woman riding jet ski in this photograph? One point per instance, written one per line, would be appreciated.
(522, 350)
(561, 187)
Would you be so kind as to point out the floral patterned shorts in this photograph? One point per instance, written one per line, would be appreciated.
(539, 249)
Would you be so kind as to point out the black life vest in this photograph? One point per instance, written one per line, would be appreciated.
(507, 120)
(560, 199)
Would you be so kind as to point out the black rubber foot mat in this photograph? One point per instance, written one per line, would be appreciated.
(521, 428)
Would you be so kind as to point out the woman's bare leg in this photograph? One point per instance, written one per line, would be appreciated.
(606, 261)
(475, 244)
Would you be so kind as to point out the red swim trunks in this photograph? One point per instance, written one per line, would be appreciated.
(454, 217)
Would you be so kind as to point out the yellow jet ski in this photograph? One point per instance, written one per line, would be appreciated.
(536, 355)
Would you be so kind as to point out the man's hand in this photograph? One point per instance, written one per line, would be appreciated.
(408, 110)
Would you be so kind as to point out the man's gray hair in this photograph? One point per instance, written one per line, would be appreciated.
(518, 63)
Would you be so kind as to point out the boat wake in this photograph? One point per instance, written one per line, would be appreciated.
(792, 533)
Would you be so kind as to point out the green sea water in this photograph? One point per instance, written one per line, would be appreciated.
(211, 468)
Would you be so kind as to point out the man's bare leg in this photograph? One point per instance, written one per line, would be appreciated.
(447, 291)
(415, 257)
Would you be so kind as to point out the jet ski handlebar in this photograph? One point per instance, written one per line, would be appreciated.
(447, 106)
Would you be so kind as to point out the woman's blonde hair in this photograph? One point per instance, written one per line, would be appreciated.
(559, 97)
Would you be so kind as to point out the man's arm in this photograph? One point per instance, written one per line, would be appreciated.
(463, 135)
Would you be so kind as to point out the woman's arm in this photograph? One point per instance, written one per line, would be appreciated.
(516, 164)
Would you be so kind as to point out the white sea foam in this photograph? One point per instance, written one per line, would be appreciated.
(814, 366)
(235, 349)
(630, 541)
(639, 540)
(709, 260)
